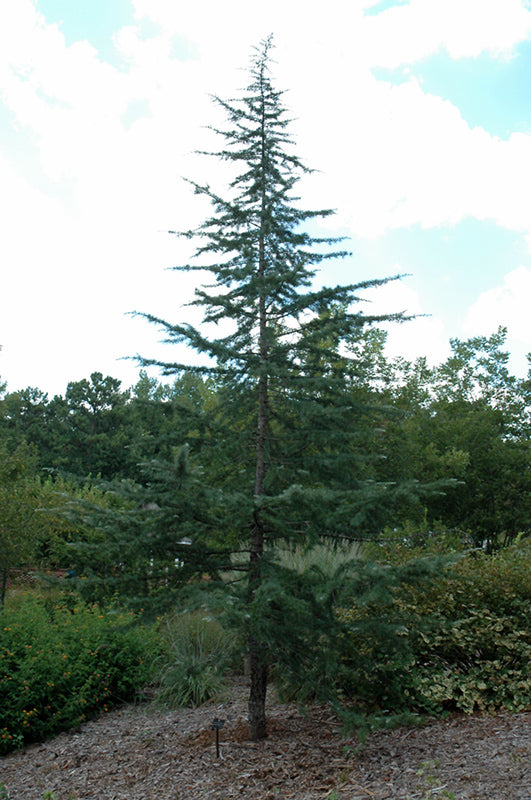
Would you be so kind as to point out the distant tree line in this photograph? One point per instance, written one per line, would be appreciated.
(467, 418)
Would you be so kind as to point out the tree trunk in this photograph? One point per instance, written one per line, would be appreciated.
(258, 665)
(257, 696)
(257, 657)
(258, 662)
(3, 584)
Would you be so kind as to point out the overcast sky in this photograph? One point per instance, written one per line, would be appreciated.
(416, 114)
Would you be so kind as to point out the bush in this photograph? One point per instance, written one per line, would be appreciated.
(197, 653)
(478, 663)
(473, 650)
(463, 643)
(60, 664)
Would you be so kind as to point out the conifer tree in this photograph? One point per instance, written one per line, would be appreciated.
(291, 440)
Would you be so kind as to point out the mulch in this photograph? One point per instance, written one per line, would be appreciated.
(144, 752)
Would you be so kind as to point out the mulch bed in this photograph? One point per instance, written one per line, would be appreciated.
(145, 753)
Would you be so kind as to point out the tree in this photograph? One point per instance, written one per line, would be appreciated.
(18, 503)
(165, 416)
(467, 417)
(24, 417)
(281, 366)
(286, 439)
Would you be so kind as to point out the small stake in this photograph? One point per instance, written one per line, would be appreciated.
(217, 725)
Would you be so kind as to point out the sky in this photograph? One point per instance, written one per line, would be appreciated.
(415, 114)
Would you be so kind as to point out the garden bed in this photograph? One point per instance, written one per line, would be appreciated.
(145, 753)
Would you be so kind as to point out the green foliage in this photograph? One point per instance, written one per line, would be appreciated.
(25, 418)
(364, 722)
(337, 634)
(18, 504)
(94, 420)
(467, 418)
(463, 642)
(473, 648)
(158, 541)
(417, 539)
(62, 663)
(197, 653)
(59, 526)
(480, 663)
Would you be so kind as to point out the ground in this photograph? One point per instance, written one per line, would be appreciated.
(144, 753)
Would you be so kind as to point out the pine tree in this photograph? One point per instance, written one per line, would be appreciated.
(291, 442)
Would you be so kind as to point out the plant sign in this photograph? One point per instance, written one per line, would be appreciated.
(217, 725)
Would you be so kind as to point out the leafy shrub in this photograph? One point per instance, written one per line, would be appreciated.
(197, 652)
(462, 643)
(480, 682)
(59, 665)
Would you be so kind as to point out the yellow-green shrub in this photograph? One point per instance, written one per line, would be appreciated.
(60, 664)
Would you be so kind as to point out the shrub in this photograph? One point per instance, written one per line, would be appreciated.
(59, 665)
(463, 643)
(479, 663)
(473, 648)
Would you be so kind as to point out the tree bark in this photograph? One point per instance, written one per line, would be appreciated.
(258, 664)
(3, 584)
(257, 696)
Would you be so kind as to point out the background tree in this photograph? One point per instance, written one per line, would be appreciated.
(26, 416)
(467, 417)
(96, 419)
(162, 417)
(18, 505)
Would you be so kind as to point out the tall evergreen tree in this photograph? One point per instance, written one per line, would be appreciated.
(293, 438)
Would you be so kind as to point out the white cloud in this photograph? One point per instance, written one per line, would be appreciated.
(463, 28)
(400, 35)
(391, 156)
(421, 336)
(506, 305)
(400, 157)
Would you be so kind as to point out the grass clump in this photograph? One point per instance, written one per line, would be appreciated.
(198, 651)
(328, 558)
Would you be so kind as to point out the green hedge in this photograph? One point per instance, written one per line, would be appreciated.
(60, 664)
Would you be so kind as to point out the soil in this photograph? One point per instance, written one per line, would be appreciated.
(144, 753)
